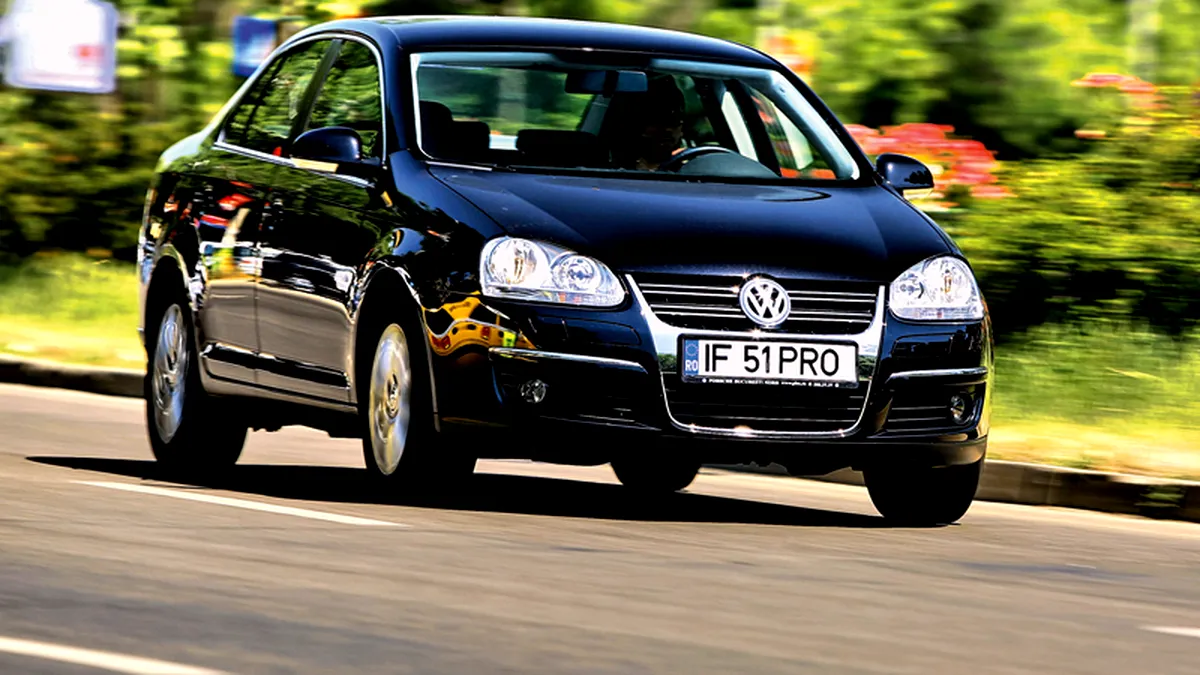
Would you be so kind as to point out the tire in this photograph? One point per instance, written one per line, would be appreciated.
(659, 476)
(400, 443)
(189, 430)
(923, 497)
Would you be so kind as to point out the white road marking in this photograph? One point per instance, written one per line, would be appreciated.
(117, 663)
(1174, 630)
(244, 504)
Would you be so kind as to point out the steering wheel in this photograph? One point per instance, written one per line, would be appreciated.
(676, 162)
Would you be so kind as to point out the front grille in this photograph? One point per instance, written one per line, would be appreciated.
(711, 303)
(762, 407)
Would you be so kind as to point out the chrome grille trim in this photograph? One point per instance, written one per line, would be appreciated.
(822, 311)
(847, 294)
(651, 287)
(666, 309)
(804, 295)
(665, 338)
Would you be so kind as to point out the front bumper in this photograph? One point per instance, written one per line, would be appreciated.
(610, 380)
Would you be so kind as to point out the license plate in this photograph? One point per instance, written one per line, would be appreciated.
(761, 361)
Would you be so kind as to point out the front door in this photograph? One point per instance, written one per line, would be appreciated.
(313, 246)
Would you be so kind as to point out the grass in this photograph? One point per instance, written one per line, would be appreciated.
(1100, 376)
(1117, 399)
(67, 307)
(1108, 398)
(1131, 446)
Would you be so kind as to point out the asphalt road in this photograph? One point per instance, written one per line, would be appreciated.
(297, 564)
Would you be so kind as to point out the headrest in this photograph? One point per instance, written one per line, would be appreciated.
(434, 115)
(444, 138)
(472, 137)
(552, 147)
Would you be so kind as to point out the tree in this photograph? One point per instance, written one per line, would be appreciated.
(996, 70)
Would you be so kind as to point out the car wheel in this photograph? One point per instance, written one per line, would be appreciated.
(399, 445)
(655, 476)
(928, 496)
(188, 429)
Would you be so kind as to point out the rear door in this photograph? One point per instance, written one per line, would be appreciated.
(322, 232)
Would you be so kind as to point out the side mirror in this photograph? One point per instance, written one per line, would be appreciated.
(903, 172)
(330, 149)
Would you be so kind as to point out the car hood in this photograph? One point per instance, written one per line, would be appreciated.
(863, 233)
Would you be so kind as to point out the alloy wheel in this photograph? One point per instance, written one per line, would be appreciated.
(390, 399)
(169, 378)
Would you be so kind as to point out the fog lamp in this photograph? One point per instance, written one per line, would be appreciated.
(960, 408)
(533, 391)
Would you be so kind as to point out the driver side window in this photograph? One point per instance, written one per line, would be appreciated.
(265, 115)
(349, 98)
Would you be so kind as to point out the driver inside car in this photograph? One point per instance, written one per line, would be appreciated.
(655, 132)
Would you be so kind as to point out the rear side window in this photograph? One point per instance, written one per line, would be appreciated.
(262, 120)
(350, 97)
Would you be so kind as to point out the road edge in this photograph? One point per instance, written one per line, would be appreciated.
(97, 380)
(1002, 481)
(1044, 485)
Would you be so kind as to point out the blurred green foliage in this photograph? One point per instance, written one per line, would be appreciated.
(1111, 235)
(67, 307)
(998, 71)
(69, 288)
(1098, 375)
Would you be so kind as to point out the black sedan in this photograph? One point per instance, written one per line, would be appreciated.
(571, 242)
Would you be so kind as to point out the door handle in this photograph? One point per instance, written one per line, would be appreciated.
(271, 210)
(301, 284)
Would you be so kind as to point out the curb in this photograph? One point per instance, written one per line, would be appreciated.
(1011, 482)
(1042, 485)
(97, 380)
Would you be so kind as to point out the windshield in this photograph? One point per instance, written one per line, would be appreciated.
(664, 116)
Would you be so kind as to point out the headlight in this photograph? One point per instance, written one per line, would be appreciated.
(531, 270)
(937, 289)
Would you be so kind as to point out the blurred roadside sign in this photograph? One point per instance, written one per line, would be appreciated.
(62, 45)
(253, 41)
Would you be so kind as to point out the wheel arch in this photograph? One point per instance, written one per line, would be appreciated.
(388, 292)
(166, 277)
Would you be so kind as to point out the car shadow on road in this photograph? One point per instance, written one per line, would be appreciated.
(485, 492)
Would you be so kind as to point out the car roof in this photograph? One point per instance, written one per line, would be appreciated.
(415, 33)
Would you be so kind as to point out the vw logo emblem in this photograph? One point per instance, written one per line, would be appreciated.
(765, 302)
